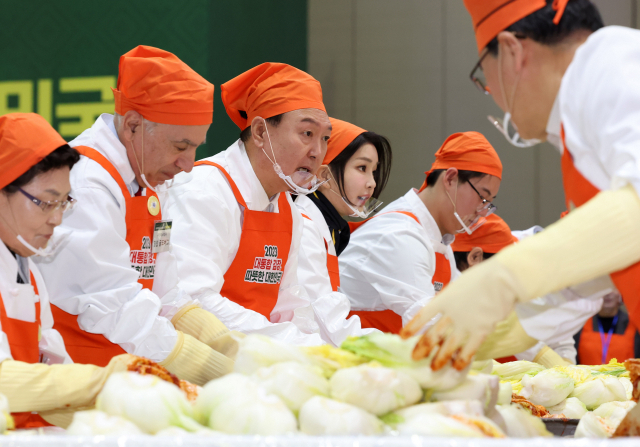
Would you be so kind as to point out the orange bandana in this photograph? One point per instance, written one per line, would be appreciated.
(342, 134)
(490, 17)
(268, 90)
(492, 236)
(162, 88)
(25, 139)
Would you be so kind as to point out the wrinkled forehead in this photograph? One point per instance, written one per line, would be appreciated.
(190, 135)
(314, 117)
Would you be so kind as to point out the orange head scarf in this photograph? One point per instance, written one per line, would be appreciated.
(492, 236)
(467, 151)
(490, 17)
(25, 139)
(162, 88)
(268, 90)
(342, 134)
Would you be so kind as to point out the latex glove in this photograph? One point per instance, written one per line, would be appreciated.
(195, 362)
(39, 387)
(199, 323)
(549, 358)
(507, 339)
(228, 344)
(598, 238)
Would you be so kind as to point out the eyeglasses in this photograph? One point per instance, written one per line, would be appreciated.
(477, 75)
(52, 205)
(486, 205)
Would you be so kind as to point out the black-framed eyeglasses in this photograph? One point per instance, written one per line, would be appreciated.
(51, 205)
(485, 205)
(477, 75)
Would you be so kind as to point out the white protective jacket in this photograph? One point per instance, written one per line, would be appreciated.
(206, 236)
(314, 276)
(20, 303)
(91, 275)
(390, 261)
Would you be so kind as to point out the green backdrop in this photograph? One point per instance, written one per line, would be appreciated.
(60, 58)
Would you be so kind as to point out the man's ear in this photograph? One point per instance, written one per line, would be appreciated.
(258, 131)
(450, 179)
(512, 48)
(475, 256)
(131, 123)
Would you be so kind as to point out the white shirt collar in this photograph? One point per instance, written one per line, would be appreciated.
(242, 173)
(102, 136)
(426, 219)
(553, 125)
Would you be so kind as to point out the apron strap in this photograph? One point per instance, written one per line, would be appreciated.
(108, 166)
(234, 187)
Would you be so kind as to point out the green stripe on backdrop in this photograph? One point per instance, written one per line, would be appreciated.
(61, 58)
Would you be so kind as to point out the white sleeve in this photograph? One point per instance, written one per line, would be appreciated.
(557, 316)
(331, 308)
(205, 238)
(91, 276)
(600, 108)
(394, 268)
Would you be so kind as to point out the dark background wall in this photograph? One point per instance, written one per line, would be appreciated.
(60, 58)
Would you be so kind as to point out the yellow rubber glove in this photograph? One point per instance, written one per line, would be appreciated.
(40, 387)
(228, 344)
(549, 358)
(596, 239)
(195, 362)
(197, 322)
(509, 338)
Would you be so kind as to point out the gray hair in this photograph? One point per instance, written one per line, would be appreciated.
(149, 126)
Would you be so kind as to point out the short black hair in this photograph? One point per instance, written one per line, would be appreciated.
(246, 133)
(64, 156)
(578, 15)
(463, 176)
(461, 258)
(380, 175)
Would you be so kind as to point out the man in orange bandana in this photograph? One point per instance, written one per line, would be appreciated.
(237, 231)
(559, 76)
(114, 285)
(396, 262)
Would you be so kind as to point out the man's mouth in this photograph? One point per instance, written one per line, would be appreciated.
(303, 169)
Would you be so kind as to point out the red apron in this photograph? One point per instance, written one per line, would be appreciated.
(590, 348)
(23, 338)
(577, 191)
(332, 264)
(253, 278)
(387, 320)
(141, 213)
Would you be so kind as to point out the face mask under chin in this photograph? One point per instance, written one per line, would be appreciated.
(300, 182)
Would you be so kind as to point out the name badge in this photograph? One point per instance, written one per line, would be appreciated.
(161, 236)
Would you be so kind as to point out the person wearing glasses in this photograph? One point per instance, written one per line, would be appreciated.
(560, 76)
(36, 372)
(114, 288)
(397, 261)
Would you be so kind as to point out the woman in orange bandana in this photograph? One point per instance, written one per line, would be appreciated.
(558, 75)
(36, 372)
(396, 262)
(356, 169)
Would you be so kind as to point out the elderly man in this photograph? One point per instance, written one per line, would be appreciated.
(237, 231)
(104, 294)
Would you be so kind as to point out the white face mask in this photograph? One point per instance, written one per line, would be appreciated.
(512, 137)
(369, 206)
(298, 178)
(477, 222)
(51, 247)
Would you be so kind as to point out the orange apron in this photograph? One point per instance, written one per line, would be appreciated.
(387, 320)
(332, 264)
(84, 347)
(23, 338)
(590, 348)
(577, 191)
(253, 278)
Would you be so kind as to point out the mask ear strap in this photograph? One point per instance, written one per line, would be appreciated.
(266, 128)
